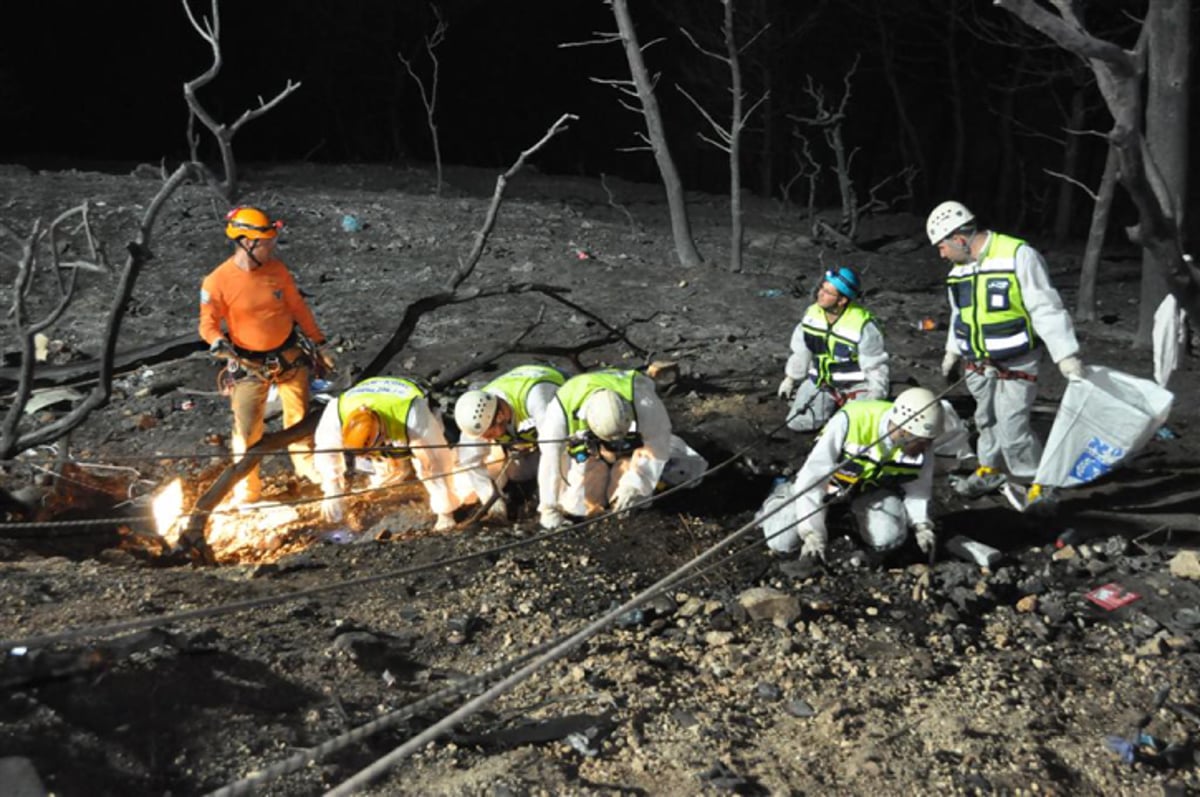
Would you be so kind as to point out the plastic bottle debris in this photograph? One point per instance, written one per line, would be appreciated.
(970, 550)
(770, 293)
(351, 223)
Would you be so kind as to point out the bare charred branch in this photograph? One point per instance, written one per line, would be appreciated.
(209, 29)
(467, 266)
(139, 253)
(429, 96)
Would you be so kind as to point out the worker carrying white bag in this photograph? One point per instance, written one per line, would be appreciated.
(1103, 419)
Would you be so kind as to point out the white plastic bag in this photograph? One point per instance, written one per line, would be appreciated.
(1170, 335)
(1101, 421)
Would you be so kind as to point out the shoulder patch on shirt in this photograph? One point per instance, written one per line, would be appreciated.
(205, 297)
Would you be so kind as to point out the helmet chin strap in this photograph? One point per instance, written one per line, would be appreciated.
(249, 250)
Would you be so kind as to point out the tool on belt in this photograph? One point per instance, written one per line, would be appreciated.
(267, 366)
(583, 448)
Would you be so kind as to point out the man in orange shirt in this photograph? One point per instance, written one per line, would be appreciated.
(250, 309)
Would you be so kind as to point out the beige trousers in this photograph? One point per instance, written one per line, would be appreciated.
(249, 403)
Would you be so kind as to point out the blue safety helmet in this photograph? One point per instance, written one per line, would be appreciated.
(845, 279)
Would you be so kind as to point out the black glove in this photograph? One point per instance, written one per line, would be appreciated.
(221, 348)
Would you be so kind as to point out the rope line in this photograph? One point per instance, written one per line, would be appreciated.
(255, 603)
(296, 762)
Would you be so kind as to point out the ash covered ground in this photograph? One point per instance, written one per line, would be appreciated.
(754, 678)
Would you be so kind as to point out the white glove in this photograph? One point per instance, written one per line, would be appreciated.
(551, 519)
(1071, 367)
(444, 522)
(624, 498)
(949, 362)
(813, 546)
(498, 510)
(926, 538)
(332, 510)
(786, 388)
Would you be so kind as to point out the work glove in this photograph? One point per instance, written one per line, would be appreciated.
(551, 519)
(332, 510)
(444, 522)
(787, 388)
(951, 367)
(926, 538)
(221, 348)
(498, 510)
(812, 545)
(325, 354)
(624, 498)
(1071, 367)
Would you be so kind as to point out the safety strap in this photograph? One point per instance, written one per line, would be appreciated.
(840, 398)
(981, 367)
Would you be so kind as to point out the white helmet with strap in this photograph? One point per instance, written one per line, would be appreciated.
(918, 412)
(607, 415)
(945, 219)
(474, 412)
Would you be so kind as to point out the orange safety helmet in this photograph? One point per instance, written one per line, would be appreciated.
(363, 428)
(246, 222)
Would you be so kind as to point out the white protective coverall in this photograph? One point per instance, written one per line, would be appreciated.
(583, 488)
(479, 464)
(431, 457)
(883, 515)
(810, 407)
(1002, 406)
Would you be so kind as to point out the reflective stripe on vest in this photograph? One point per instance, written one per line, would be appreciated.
(992, 321)
(872, 463)
(514, 388)
(390, 396)
(575, 391)
(835, 347)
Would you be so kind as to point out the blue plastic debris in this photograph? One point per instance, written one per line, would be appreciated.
(337, 536)
(770, 293)
(351, 223)
(1166, 433)
(1128, 749)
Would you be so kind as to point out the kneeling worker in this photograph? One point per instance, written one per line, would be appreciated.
(837, 354)
(879, 450)
(610, 432)
(387, 419)
(505, 412)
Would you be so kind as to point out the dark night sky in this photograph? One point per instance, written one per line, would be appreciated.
(84, 82)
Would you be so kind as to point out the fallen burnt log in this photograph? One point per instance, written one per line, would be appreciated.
(85, 371)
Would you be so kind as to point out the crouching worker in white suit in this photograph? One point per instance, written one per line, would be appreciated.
(606, 444)
(879, 450)
(500, 424)
(387, 419)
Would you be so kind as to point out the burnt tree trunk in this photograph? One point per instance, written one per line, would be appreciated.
(1085, 307)
(1119, 75)
(681, 227)
(1168, 26)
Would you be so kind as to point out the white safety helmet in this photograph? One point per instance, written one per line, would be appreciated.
(607, 414)
(918, 412)
(945, 219)
(474, 412)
